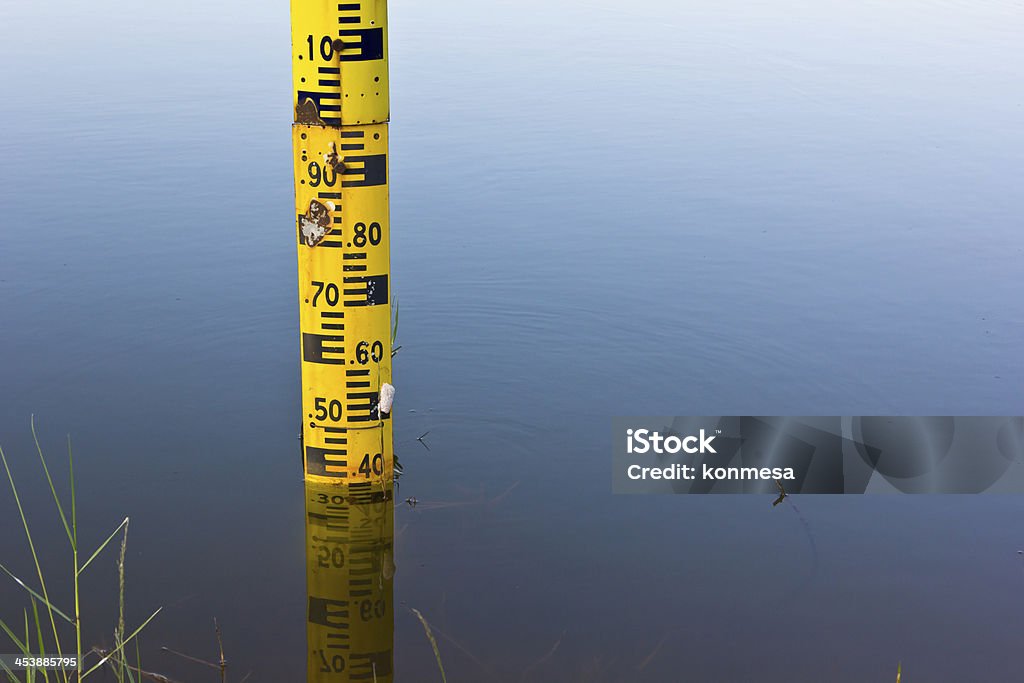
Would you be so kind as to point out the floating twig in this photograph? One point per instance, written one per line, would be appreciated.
(433, 642)
(543, 659)
(782, 493)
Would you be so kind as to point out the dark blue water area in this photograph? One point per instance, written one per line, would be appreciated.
(597, 210)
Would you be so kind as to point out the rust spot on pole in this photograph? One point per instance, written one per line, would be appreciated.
(316, 223)
(306, 112)
(333, 160)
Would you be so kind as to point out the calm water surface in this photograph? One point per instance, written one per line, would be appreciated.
(597, 209)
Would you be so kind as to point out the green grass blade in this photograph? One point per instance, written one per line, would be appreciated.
(103, 545)
(128, 670)
(433, 643)
(394, 322)
(10, 674)
(39, 636)
(74, 555)
(49, 480)
(74, 506)
(121, 645)
(15, 639)
(37, 596)
(31, 677)
(23, 646)
(32, 548)
(122, 660)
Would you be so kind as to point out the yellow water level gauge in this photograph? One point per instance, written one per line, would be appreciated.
(343, 237)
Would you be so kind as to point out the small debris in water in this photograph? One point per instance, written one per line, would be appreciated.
(423, 436)
(387, 397)
(782, 493)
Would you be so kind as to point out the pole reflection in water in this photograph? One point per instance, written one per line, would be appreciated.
(350, 570)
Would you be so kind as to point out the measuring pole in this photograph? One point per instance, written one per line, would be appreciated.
(340, 149)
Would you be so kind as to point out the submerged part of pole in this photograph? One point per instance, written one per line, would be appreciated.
(350, 577)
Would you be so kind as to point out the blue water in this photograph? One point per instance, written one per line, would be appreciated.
(598, 209)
